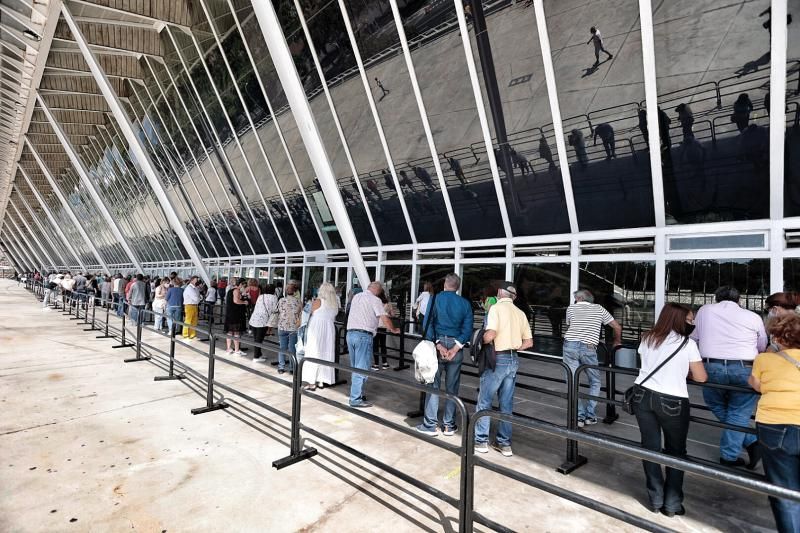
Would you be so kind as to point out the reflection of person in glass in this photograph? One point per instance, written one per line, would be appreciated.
(742, 108)
(520, 161)
(754, 148)
(663, 129)
(597, 39)
(405, 182)
(606, 134)
(387, 179)
(545, 152)
(382, 88)
(577, 142)
(424, 177)
(373, 188)
(643, 126)
(455, 166)
(686, 118)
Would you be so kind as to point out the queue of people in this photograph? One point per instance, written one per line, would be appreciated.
(721, 344)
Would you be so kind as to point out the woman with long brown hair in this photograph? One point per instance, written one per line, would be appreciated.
(661, 400)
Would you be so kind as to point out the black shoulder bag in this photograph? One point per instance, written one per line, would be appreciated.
(627, 400)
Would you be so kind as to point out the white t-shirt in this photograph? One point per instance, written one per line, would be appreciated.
(671, 378)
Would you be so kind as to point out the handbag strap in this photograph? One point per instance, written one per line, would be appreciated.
(431, 318)
(789, 358)
(665, 361)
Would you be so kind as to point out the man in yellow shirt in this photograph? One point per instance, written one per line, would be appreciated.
(507, 327)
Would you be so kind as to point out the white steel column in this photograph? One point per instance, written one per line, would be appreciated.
(555, 112)
(12, 258)
(32, 233)
(23, 250)
(135, 145)
(83, 174)
(301, 110)
(29, 239)
(651, 102)
(44, 232)
(53, 221)
(8, 238)
(777, 128)
(53, 185)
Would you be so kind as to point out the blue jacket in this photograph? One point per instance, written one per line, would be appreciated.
(175, 297)
(452, 317)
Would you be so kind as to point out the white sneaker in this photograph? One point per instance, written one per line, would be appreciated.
(239, 353)
(260, 360)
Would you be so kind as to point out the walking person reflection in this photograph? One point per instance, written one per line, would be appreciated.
(606, 134)
(597, 39)
(686, 118)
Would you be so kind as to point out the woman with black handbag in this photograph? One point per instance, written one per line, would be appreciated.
(661, 401)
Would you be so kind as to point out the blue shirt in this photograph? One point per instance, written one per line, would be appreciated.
(175, 297)
(452, 316)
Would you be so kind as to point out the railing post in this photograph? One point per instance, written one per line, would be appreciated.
(94, 313)
(719, 95)
(611, 386)
(402, 363)
(574, 459)
(138, 357)
(296, 451)
(123, 344)
(106, 335)
(210, 404)
(171, 374)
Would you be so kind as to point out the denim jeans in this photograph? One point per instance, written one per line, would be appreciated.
(121, 305)
(174, 312)
(577, 354)
(659, 413)
(452, 371)
(499, 381)
(158, 316)
(287, 341)
(731, 407)
(359, 346)
(137, 315)
(781, 446)
(46, 299)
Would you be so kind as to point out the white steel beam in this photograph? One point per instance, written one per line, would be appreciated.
(83, 174)
(33, 234)
(301, 110)
(24, 249)
(42, 230)
(53, 185)
(135, 144)
(11, 243)
(53, 221)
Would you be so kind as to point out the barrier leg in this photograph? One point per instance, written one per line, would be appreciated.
(77, 309)
(611, 385)
(297, 453)
(123, 344)
(420, 410)
(105, 335)
(92, 323)
(138, 343)
(210, 404)
(171, 374)
(574, 459)
(402, 364)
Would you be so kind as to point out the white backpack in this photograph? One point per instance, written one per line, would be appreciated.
(426, 360)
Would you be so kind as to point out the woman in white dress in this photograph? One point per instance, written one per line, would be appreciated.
(321, 338)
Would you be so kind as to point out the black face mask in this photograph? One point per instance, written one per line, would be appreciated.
(689, 329)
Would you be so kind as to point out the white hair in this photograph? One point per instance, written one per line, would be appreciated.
(327, 295)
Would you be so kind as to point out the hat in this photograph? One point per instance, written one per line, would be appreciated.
(508, 287)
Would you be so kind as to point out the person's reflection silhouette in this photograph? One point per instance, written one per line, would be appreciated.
(545, 153)
(742, 108)
(606, 134)
(686, 118)
(405, 181)
(663, 129)
(424, 177)
(578, 143)
(455, 166)
(643, 126)
(520, 161)
(387, 180)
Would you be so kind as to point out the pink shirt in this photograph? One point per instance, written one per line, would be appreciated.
(365, 311)
(726, 331)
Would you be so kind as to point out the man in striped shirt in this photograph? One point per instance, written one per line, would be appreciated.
(584, 321)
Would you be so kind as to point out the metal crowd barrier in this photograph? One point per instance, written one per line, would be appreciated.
(464, 503)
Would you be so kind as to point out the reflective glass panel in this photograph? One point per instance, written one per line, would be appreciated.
(597, 58)
(544, 290)
(693, 282)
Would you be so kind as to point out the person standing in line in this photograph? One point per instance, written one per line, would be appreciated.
(289, 310)
(116, 290)
(68, 284)
(174, 303)
(321, 338)
(448, 324)
(380, 335)
(730, 338)
(584, 322)
(383, 89)
(661, 401)
(106, 290)
(508, 328)
(235, 310)
(366, 311)
(160, 303)
(191, 302)
(137, 298)
(776, 375)
(606, 134)
(421, 303)
(80, 286)
(222, 284)
(266, 306)
(597, 39)
(209, 302)
(125, 287)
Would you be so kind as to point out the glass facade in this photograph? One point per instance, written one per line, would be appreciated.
(492, 139)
